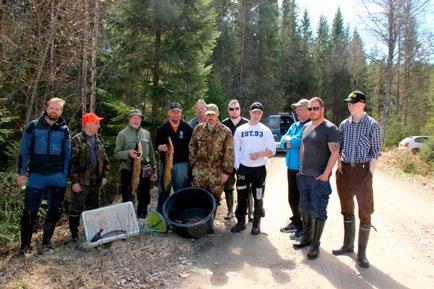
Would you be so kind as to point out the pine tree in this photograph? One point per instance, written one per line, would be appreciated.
(321, 57)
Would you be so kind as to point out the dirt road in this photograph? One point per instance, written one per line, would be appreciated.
(400, 251)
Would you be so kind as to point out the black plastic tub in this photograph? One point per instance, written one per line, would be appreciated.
(190, 211)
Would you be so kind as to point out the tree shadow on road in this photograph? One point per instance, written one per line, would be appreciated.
(357, 278)
(227, 253)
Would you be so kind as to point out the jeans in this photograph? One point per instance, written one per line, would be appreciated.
(314, 196)
(180, 180)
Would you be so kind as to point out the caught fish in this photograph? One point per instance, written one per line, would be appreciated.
(137, 164)
(168, 165)
(99, 236)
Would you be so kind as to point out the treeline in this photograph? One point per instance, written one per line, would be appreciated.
(111, 55)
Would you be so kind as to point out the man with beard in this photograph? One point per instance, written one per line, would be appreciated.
(232, 122)
(253, 144)
(318, 154)
(45, 153)
(88, 171)
(211, 154)
(180, 133)
(128, 141)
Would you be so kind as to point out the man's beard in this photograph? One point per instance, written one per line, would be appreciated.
(52, 116)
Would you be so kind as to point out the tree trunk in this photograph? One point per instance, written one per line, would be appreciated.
(84, 67)
(156, 96)
(95, 36)
(242, 40)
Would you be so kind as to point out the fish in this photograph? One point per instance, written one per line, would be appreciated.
(137, 164)
(99, 236)
(168, 165)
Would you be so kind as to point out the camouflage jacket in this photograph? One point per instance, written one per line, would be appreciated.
(212, 150)
(78, 171)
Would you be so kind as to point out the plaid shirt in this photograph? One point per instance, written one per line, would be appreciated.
(359, 142)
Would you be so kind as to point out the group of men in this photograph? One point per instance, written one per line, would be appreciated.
(314, 146)
(202, 157)
(212, 155)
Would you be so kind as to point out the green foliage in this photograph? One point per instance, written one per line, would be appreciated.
(10, 209)
(427, 152)
(8, 145)
(396, 132)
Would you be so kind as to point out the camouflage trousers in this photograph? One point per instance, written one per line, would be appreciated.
(208, 179)
(88, 197)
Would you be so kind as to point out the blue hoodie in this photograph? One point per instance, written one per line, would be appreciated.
(295, 132)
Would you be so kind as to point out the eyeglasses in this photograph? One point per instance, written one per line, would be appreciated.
(234, 108)
(315, 108)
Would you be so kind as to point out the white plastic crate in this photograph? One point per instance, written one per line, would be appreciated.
(112, 222)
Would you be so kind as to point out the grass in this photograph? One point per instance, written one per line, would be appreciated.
(407, 162)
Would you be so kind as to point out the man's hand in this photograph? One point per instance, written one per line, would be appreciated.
(324, 177)
(154, 178)
(288, 145)
(103, 182)
(21, 180)
(132, 154)
(255, 156)
(76, 188)
(224, 178)
(162, 148)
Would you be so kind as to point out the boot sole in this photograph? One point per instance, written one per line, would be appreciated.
(342, 252)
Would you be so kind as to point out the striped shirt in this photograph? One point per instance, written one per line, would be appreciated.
(360, 142)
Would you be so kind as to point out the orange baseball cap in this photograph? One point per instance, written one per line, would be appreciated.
(90, 117)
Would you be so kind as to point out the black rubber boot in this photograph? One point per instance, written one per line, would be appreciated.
(314, 248)
(48, 233)
(74, 222)
(256, 227)
(364, 230)
(229, 195)
(27, 223)
(308, 230)
(349, 233)
(240, 226)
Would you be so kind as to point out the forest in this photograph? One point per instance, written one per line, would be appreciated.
(109, 56)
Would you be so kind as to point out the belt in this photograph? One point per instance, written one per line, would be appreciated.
(358, 165)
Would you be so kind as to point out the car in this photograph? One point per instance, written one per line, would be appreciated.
(279, 125)
(413, 143)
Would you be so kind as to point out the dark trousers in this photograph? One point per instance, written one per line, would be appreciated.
(355, 181)
(294, 197)
(143, 192)
(250, 178)
(33, 198)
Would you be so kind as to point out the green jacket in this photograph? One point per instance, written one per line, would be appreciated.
(78, 170)
(127, 140)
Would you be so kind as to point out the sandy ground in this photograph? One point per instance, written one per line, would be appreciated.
(400, 251)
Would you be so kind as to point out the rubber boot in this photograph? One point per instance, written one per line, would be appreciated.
(314, 248)
(250, 204)
(363, 243)
(240, 226)
(48, 233)
(349, 232)
(230, 203)
(256, 227)
(74, 222)
(307, 235)
(27, 224)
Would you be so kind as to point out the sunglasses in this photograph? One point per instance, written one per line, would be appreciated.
(315, 108)
(234, 108)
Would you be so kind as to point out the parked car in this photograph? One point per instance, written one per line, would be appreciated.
(413, 143)
(279, 125)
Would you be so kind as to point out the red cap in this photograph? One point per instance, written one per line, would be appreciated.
(90, 117)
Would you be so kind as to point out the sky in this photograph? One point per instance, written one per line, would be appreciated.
(354, 14)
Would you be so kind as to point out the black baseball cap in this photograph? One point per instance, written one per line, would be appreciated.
(174, 105)
(355, 97)
(256, 105)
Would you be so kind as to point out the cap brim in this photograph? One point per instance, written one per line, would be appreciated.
(256, 109)
(210, 112)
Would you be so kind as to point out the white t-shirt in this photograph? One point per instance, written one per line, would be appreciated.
(250, 139)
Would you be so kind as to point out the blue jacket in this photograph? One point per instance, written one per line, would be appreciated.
(45, 150)
(295, 132)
